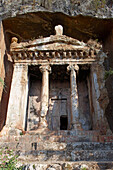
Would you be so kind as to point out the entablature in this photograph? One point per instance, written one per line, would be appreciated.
(54, 47)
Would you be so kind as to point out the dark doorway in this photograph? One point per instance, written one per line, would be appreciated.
(63, 122)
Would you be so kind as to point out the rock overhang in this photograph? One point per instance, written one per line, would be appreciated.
(103, 9)
(30, 26)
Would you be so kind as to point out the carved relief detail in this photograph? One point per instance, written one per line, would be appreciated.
(44, 68)
(53, 54)
(73, 67)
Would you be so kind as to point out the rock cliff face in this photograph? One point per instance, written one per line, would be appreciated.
(81, 19)
(97, 8)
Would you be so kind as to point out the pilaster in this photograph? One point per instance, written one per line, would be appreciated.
(16, 113)
(100, 99)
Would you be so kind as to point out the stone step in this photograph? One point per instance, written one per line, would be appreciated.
(57, 138)
(55, 146)
(60, 151)
(73, 155)
(65, 132)
(69, 165)
(60, 136)
(78, 151)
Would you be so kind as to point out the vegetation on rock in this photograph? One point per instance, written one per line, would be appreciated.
(108, 73)
(8, 160)
(1, 81)
(99, 4)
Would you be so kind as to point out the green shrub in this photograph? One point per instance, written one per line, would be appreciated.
(8, 160)
(98, 4)
(108, 73)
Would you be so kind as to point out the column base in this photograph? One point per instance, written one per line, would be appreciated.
(105, 130)
(11, 131)
(43, 123)
(76, 126)
(41, 128)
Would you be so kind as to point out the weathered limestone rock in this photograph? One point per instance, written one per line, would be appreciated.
(2, 52)
(62, 145)
(73, 8)
(62, 149)
(100, 96)
(108, 63)
(61, 47)
(5, 74)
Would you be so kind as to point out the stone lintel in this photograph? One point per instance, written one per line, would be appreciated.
(68, 54)
(57, 62)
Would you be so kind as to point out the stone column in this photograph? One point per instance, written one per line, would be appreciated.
(74, 97)
(17, 105)
(45, 69)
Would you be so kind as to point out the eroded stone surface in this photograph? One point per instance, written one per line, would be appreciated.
(73, 8)
(74, 96)
(18, 98)
(45, 69)
(69, 47)
(70, 166)
(63, 144)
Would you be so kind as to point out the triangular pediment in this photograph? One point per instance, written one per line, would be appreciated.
(57, 46)
(52, 43)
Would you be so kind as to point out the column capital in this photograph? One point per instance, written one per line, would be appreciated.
(73, 67)
(19, 66)
(44, 68)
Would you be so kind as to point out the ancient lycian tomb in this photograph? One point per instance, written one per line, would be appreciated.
(58, 84)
